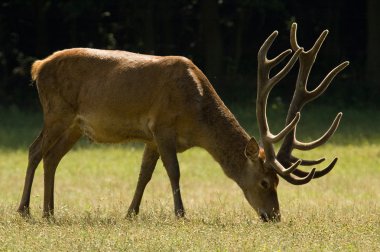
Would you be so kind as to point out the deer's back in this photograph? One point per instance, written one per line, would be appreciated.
(115, 94)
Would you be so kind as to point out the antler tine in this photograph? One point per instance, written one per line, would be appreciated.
(286, 130)
(326, 81)
(262, 54)
(293, 37)
(305, 162)
(323, 139)
(311, 145)
(317, 174)
(306, 177)
(280, 75)
(318, 44)
(281, 169)
(274, 62)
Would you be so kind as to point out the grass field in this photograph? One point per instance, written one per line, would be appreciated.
(95, 184)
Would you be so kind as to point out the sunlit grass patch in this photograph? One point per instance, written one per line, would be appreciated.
(95, 184)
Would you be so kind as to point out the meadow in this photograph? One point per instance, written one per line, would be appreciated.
(95, 184)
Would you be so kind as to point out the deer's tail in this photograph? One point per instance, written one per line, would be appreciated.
(36, 67)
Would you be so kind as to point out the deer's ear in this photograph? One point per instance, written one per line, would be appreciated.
(252, 149)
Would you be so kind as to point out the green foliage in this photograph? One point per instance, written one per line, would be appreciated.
(95, 184)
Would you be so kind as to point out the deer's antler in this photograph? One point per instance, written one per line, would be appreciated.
(301, 96)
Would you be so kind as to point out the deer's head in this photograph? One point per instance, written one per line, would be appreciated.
(259, 183)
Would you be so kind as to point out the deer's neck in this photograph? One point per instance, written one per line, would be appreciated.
(225, 140)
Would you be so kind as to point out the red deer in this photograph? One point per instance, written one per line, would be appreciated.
(169, 104)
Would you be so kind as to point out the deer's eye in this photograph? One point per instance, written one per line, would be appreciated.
(264, 184)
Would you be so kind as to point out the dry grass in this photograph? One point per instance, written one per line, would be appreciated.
(95, 184)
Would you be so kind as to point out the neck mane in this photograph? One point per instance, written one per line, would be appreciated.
(224, 138)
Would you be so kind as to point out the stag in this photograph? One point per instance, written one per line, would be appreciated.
(169, 104)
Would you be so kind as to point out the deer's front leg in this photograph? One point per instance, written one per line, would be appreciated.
(148, 164)
(169, 158)
(167, 149)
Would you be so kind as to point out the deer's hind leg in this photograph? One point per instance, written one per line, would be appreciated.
(35, 156)
(57, 141)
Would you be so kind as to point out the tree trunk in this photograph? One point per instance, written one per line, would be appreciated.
(212, 40)
(40, 9)
(373, 42)
(149, 31)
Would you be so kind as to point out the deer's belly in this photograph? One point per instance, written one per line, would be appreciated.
(110, 130)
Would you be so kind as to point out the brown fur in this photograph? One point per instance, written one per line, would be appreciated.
(166, 102)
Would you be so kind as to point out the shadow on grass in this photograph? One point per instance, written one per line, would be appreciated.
(18, 129)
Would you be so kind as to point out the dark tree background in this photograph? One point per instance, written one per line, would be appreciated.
(222, 37)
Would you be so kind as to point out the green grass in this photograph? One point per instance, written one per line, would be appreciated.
(95, 184)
